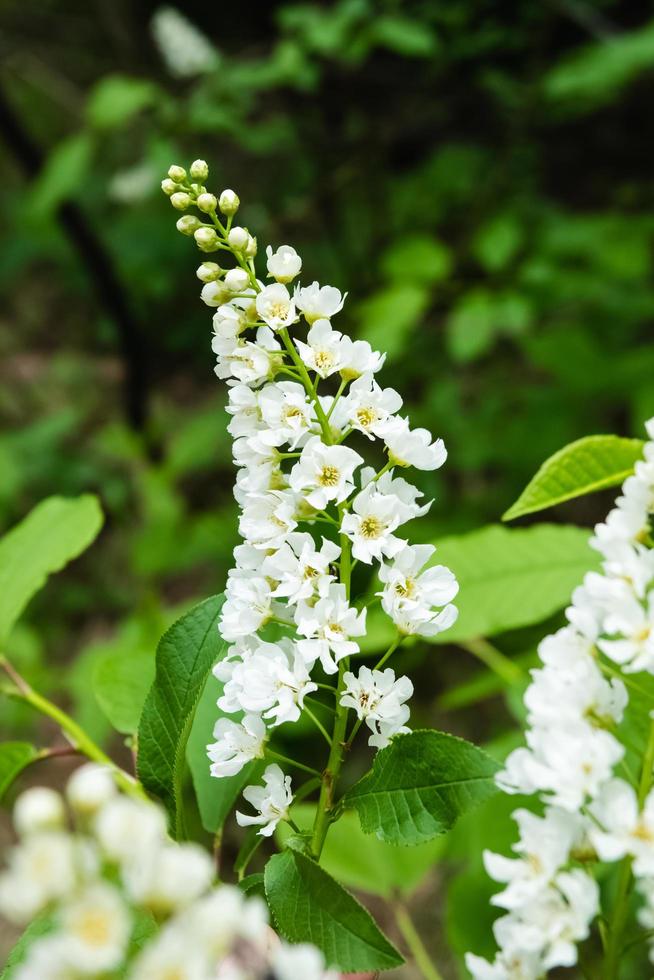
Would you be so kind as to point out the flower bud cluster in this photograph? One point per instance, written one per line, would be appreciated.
(117, 878)
(575, 704)
(309, 507)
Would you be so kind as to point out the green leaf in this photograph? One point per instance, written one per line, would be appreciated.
(362, 861)
(215, 797)
(419, 785)
(589, 464)
(117, 98)
(471, 326)
(63, 173)
(185, 655)
(36, 930)
(388, 317)
(54, 533)
(14, 757)
(121, 682)
(513, 577)
(308, 905)
(497, 242)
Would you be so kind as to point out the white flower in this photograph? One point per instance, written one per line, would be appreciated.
(324, 473)
(170, 954)
(410, 595)
(300, 962)
(412, 447)
(96, 927)
(509, 964)
(130, 830)
(298, 568)
(249, 363)
(367, 406)
(236, 744)
(287, 412)
(623, 827)
(328, 626)
(544, 848)
(378, 698)
(186, 51)
(406, 493)
(170, 878)
(358, 358)
(324, 350)
(247, 608)
(317, 302)
(243, 406)
(284, 264)
(41, 869)
(90, 788)
(268, 518)
(275, 306)
(45, 960)
(271, 680)
(370, 525)
(568, 764)
(632, 625)
(568, 691)
(272, 801)
(38, 809)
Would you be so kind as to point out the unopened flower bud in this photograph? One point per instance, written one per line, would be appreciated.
(180, 200)
(251, 247)
(237, 280)
(207, 239)
(168, 186)
(188, 224)
(238, 238)
(209, 272)
(199, 170)
(228, 202)
(38, 809)
(215, 293)
(207, 202)
(178, 174)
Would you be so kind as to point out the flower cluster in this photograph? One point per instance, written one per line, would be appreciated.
(309, 507)
(118, 898)
(575, 702)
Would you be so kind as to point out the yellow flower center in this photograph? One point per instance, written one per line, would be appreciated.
(372, 527)
(366, 417)
(324, 359)
(329, 476)
(93, 928)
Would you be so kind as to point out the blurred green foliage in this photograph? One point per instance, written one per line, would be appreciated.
(477, 176)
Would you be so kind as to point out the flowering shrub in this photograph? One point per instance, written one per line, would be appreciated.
(322, 453)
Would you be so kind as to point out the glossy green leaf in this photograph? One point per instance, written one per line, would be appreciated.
(55, 532)
(420, 785)
(364, 862)
(185, 655)
(36, 930)
(14, 757)
(215, 797)
(589, 464)
(513, 577)
(308, 905)
(121, 682)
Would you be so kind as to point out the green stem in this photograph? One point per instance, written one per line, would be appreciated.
(308, 384)
(319, 725)
(291, 762)
(75, 734)
(416, 946)
(341, 389)
(494, 659)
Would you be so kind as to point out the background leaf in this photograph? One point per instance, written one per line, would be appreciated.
(14, 757)
(215, 797)
(55, 532)
(419, 785)
(512, 577)
(308, 905)
(40, 927)
(584, 466)
(185, 655)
